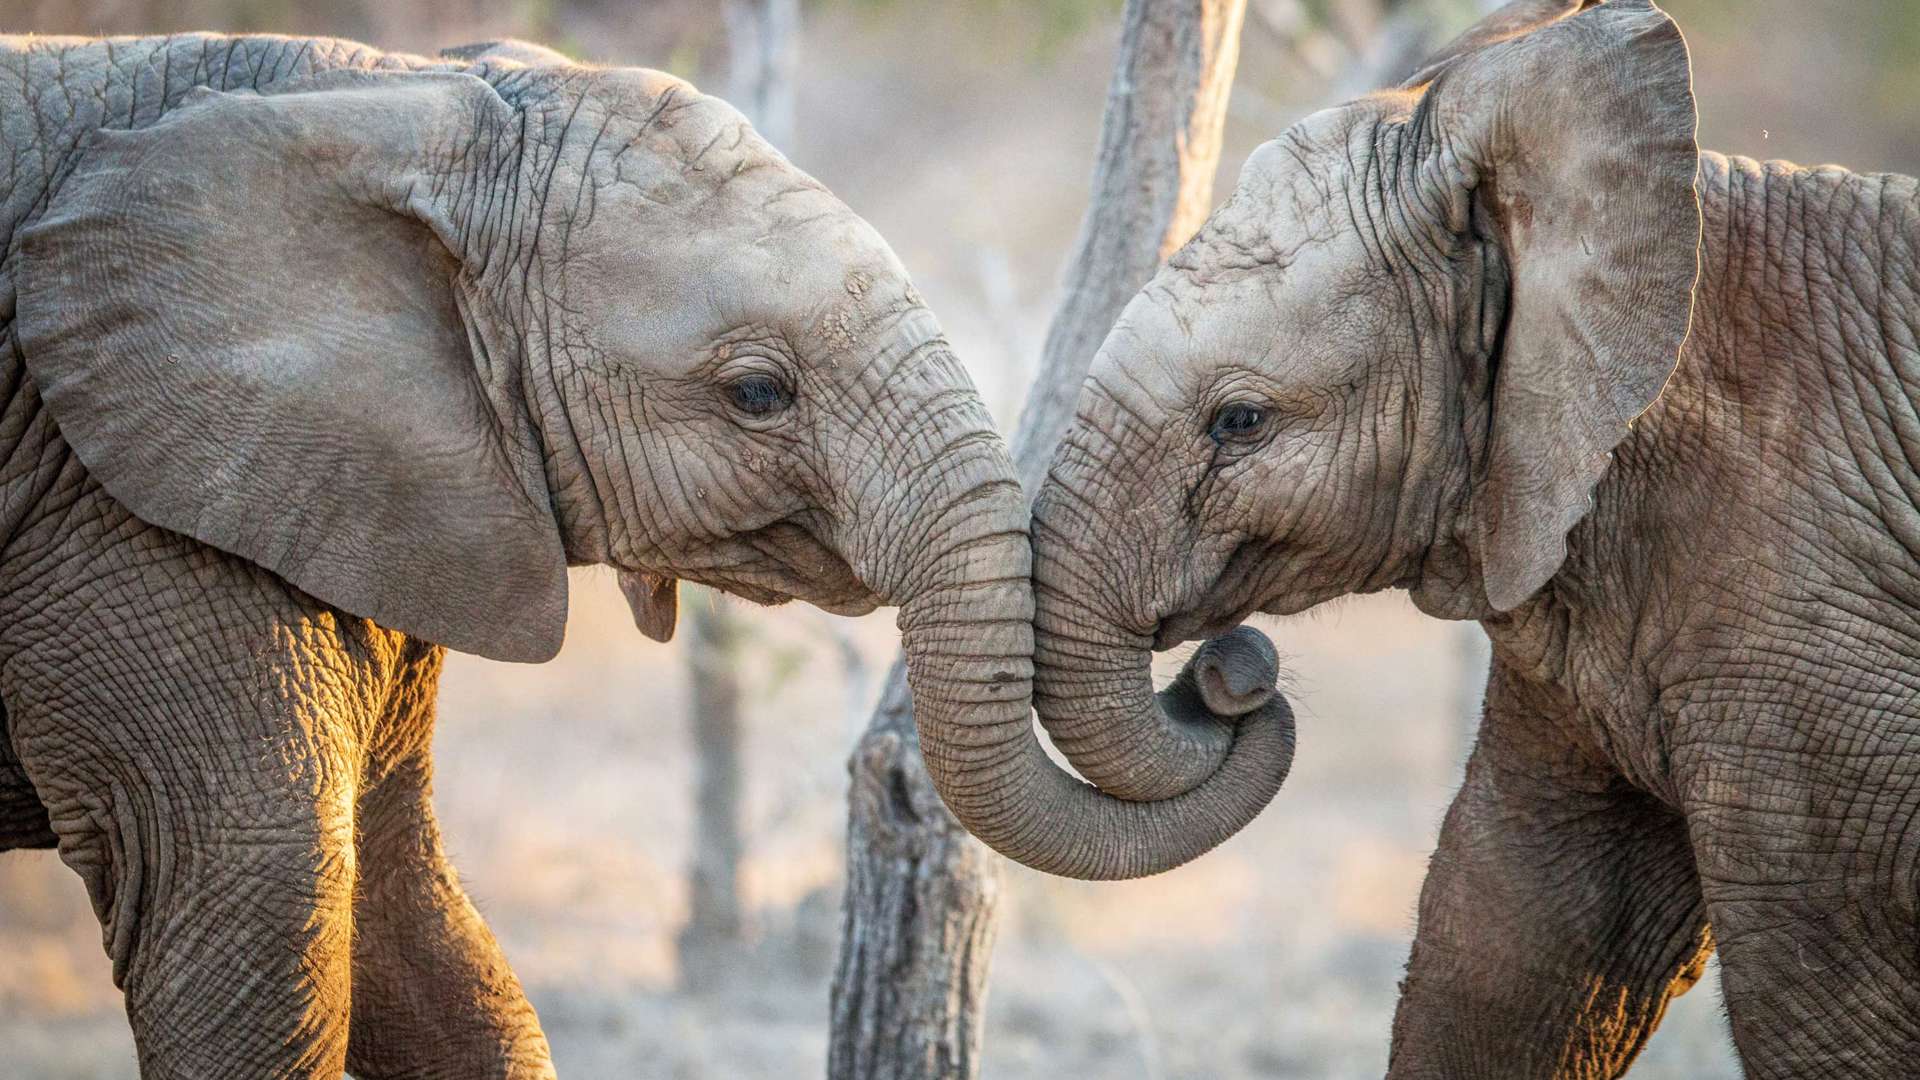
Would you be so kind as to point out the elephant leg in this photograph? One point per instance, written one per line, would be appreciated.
(1560, 914)
(432, 995)
(221, 868)
(1805, 821)
(194, 729)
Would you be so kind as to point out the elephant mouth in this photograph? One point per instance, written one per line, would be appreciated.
(1245, 586)
(1180, 628)
(785, 561)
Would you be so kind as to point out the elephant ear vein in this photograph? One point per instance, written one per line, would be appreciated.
(242, 349)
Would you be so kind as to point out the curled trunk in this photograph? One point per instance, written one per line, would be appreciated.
(969, 645)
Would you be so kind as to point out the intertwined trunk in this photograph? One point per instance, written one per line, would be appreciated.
(922, 896)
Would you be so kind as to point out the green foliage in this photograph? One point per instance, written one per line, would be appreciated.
(259, 16)
(784, 664)
(1063, 20)
(693, 53)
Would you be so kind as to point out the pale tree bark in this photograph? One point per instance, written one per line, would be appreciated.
(1152, 187)
(716, 922)
(762, 45)
(922, 899)
(763, 51)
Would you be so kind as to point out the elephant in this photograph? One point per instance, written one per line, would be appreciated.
(1505, 338)
(319, 361)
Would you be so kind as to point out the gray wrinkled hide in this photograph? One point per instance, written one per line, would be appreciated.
(181, 305)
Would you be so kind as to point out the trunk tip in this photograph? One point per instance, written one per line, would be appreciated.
(1237, 672)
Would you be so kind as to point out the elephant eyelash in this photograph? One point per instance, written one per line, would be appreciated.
(759, 394)
(1238, 421)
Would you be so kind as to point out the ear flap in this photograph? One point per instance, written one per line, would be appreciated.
(250, 321)
(1574, 146)
(1505, 22)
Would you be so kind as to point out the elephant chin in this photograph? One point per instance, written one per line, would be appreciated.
(1176, 630)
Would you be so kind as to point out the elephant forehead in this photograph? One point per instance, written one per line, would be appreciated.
(1311, 160)
(1293, 197)
(1150, 363)
(824, 255)
(640, 271)
(1179, 336)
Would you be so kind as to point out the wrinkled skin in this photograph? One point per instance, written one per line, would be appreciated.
(316, 360)
(1427, 345)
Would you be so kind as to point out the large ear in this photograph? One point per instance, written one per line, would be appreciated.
(253, 324)
(1571, 149)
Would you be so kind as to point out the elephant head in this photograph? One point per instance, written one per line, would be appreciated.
(1399, 356)
(416, 340)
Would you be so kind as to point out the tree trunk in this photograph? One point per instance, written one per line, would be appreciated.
(762, 46)
(763, 49)
(918, 921)
(716, 923)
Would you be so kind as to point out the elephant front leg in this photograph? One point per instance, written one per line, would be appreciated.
(433, 997)
(225, 904)
(1560, 914)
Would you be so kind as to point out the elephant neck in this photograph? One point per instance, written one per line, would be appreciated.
(1767, 483)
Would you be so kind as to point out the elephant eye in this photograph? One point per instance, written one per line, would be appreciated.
(1237, 421)
(758, 395)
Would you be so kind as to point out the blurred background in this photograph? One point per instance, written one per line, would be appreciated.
(964, 130)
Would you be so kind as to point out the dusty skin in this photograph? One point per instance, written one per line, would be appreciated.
(1507, 339)
(321, 359)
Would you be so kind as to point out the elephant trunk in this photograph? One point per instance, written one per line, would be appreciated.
(1093, 686)
(969, 637)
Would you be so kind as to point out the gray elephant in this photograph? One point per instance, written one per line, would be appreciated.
(318, 359)
(1506, 339)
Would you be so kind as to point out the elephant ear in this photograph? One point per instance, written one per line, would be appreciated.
(252, 323)
(1571, 148)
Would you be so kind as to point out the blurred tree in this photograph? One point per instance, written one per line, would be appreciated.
(716, 923)
(922, 896)
(1054, 23)
(1351, 47)
(763, 49)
